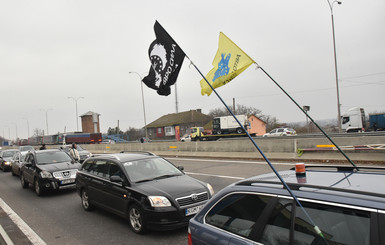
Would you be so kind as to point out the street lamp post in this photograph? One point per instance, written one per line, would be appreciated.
(46, 118)
(27, 126)
(335, 63)
(76, 104)
(16, 129)
(144, 109)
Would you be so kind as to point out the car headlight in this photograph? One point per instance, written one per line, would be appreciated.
(210, 189)
(45, 174)
(159, 201)
(7, 163)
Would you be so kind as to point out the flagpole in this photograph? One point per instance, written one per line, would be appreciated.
(311, 119)
(318, 231)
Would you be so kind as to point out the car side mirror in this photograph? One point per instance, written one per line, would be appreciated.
(116, 179)
(181, 168)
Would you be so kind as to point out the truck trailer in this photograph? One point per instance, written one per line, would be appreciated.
(377, 121)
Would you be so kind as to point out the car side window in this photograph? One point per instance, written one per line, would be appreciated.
(238, 213)
(101, 168)
(115, 170)
(339, 225)
(87, 166)
(277, 229)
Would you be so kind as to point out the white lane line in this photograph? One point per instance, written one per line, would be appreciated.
(214, 175)
(5, 236)
(31, 235)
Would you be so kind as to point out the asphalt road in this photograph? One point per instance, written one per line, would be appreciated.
(58, 218)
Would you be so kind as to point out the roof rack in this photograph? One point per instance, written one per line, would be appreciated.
(297, 186)
(140, 152)
(343, 168)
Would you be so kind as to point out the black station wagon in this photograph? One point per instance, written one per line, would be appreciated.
(146, 189)
(339, 205)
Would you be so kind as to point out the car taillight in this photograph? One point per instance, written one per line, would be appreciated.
(189, 240)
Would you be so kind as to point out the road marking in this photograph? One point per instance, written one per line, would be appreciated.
(214, 175)
(31, 235)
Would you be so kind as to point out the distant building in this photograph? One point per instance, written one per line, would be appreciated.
(175, 125)
(257, 126)
(90, 122)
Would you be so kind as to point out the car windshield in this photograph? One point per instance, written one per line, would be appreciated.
(52, 157)
(9, 153)
(150, 169)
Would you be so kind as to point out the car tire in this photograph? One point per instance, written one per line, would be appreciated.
(136, 218)
(24, 183)
(86, 204)
(239, 130)
(13, 173)
(3, 167)
(38, 188)
(219, 132)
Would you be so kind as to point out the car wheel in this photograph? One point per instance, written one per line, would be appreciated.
(86, 201)
(3, 167)
(24, 183)
(219, 132)
(137, 221)
(38, 188)
(239, 130)
(13, 173)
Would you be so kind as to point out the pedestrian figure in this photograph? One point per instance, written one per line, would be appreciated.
(74, 152)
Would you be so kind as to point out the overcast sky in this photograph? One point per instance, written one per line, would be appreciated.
(51, 50)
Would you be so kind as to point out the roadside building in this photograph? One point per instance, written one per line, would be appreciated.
(257, 126)
(175, 125)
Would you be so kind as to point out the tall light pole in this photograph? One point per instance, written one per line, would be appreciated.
(9, 132)
(76, 104)
(144, 109)
(335, 62)
(27, 126)
(16, 129)
(46, 117)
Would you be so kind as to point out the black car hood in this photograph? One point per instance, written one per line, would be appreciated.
(174, 187)
(53, 167)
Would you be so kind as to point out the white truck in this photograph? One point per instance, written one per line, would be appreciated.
(228, 124)
(353, 120)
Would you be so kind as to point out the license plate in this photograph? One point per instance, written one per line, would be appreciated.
(67, 181)
(193, 210)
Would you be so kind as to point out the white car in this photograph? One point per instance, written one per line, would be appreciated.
(281, 132)
(186, 137)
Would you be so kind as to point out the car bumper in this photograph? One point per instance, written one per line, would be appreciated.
(55, 184)
(167, 218)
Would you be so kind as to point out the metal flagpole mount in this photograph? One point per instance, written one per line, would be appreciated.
(256, 66)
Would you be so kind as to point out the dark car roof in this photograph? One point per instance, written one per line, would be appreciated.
(337, 184)
(127, 156)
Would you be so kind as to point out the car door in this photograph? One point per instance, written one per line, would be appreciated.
(96, 181)
(116, 195)
(29, 168)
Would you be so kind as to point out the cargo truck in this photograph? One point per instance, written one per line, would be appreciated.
(228, 124)
(223, 127)
(353, 120)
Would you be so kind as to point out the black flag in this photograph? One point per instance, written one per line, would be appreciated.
(166, 60)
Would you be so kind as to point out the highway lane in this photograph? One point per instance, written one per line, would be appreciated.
(58, 218)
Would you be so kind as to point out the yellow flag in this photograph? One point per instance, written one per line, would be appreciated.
(229, 62)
